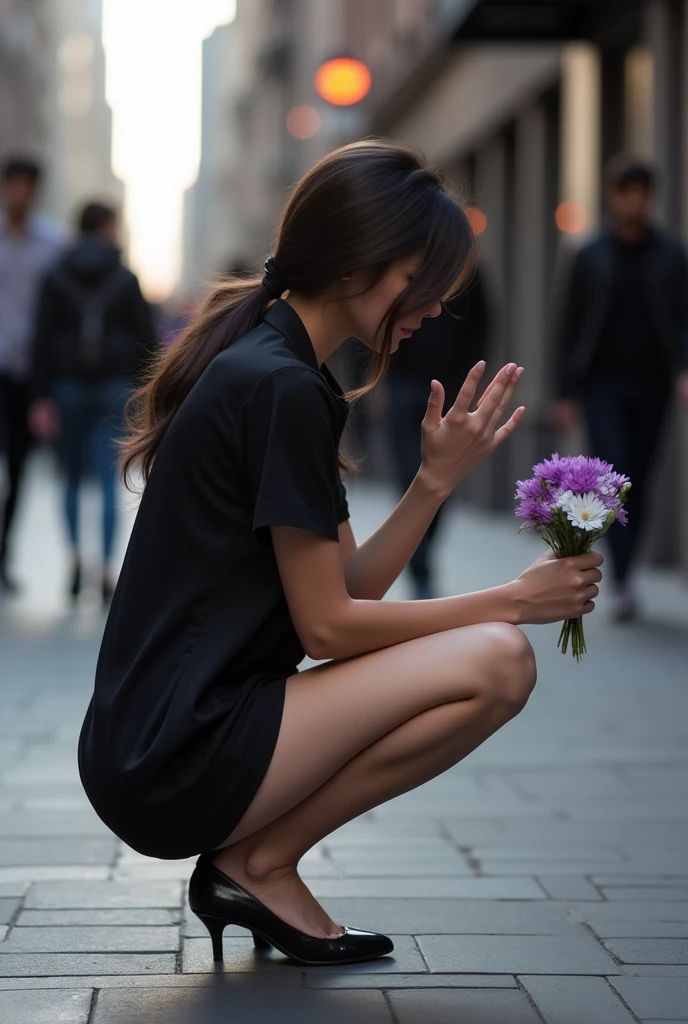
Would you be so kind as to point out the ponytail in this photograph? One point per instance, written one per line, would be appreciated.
(230, 311)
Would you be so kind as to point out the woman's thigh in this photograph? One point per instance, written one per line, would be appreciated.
(332, 712)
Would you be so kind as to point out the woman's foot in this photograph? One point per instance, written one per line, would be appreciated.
(283, 892)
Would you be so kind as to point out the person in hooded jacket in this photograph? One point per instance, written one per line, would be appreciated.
(95, 333)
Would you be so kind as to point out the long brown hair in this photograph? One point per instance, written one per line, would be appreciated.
(361, 208)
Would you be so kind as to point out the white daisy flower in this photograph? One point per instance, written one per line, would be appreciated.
(585, 511)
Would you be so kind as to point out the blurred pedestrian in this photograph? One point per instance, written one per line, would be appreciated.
(624, 348)
(94, 334)
(28, 244)
(445, 348)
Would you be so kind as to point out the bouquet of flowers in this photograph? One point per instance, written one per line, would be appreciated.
(571, 502)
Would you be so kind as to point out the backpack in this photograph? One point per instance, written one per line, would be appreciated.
(93, 304)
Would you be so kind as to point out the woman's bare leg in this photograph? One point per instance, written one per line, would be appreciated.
(358, 733)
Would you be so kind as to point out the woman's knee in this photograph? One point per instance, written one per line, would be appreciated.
(513, 672)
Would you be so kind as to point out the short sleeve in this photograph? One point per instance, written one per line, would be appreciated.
(343, 506)
(291, 448)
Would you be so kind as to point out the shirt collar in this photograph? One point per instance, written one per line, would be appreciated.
(288, 322)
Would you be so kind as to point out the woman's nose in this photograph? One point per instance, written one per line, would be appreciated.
(433, 310)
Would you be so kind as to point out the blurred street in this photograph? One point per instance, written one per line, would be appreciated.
(545, 878)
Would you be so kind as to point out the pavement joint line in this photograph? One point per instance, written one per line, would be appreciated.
(589, 880)
(529, 998)
(390, 1006)
(11, 924)
(623, 1002)
(94, 1006)
(420, 951)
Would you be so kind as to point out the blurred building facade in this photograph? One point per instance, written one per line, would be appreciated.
(209, 205)
(52, 98)
(24, 56)
(521, 104)
(79, 135)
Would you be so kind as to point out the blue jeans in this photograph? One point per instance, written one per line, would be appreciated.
(91, 419)
(626, 428)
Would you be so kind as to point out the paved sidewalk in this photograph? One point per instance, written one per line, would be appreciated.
(544, 879)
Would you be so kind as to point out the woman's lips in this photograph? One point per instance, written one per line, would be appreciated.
(407, 331)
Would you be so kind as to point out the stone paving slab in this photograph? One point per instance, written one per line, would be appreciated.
(108, 895)
(94, 939)
(56, 851)
(8, 909)
(247, 1004)
(662, 998)
(22, 825)
(439, 888)
(450, 1006)
(85, 918)
(642, 930)
(56, 872)
(516, 954)
(566, 1000)
(630, 910)
(13, 889)
(324, 978)
(669, 894)
(568, 887)
(46, 1007)
(649, 951)
(654, 970)
(47, 965)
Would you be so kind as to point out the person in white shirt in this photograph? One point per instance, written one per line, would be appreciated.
(28, 245)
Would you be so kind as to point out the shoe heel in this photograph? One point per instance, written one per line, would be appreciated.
(260, 943)
(216, 927)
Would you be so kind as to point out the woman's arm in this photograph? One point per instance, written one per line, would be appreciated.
(332, 625)
(371, 569)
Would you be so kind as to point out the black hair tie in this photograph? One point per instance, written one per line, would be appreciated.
(272, 280)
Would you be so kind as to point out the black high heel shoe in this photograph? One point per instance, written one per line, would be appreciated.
(218, 901)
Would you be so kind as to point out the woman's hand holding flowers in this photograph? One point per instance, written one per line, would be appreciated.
(552, 589)
(453, 445)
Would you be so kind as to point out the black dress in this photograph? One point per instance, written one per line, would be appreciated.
(190, 682)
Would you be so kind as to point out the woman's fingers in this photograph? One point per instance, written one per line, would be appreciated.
(492, 395)
(488, 393)
(468, 389)
(509, 426)
(501, 397)
(433, 415)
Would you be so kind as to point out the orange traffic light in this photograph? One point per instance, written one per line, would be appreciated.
(476, 218)
(571, 217)
(343, 81)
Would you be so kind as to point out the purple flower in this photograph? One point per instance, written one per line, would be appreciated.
(532, 488)
(550, 470)
(534, 513)
(613, 481)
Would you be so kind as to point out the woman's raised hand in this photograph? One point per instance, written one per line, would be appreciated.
(452, 446)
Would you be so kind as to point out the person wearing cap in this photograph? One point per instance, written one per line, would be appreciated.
(623, 348)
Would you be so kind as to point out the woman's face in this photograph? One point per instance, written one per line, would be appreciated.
(365, 312)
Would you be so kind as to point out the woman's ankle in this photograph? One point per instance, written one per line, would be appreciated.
(256, 864)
